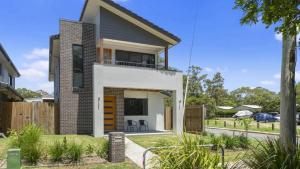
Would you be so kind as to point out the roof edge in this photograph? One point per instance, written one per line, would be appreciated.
(135, 16)
(9, 60)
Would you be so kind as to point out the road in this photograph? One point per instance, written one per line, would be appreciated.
(258, 136)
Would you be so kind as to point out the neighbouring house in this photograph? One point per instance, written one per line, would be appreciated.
(253, 108)
(8, 73)
(44, 99)
(107, 70)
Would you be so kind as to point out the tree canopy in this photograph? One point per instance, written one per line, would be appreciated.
(284, 14)
(26, 93)
(212, 93)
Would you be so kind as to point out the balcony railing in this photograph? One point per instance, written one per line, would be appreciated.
(134, 64)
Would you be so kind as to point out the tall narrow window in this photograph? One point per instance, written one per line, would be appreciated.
(0, 69)
(10, 80)
(78, 66)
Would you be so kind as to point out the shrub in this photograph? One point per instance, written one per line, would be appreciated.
(103, 149)
(56, 151)
(65, 144)
(188, 155)
(74, 152)
(28, 140)
(243, 141)
(89, 150)
(270, 154)
(230, 142)
(217, 141)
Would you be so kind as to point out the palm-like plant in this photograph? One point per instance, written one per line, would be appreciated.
(188, 155)
(270, 154)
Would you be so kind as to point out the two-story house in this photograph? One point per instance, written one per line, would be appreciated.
(8, 73)
(107, 70)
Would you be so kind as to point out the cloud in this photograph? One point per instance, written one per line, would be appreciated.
(297, 76)
(244, 70)
(267, 82)
(208, 69)
(278, 36)
(47, 86)
(277, 76)
(223, 70)
(32, 74)
(34, 71)
(37, 53)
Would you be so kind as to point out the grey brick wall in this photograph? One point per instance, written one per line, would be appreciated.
(119, 93)
(116, 152)
(76, 105)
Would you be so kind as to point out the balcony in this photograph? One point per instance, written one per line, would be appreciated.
(135, 64)
(123, 76)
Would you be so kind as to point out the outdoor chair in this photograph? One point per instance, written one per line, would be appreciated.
(131, 125)
(143, 124)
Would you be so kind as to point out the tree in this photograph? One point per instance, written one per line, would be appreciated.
(196, 81)
(258, 96)
(285, 15)
(26, 93)
(215, 88)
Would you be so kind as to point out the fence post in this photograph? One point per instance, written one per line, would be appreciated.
(224, 123)
(208, 122)
(215, 122)
(257, 125)
(234, 124)
(273, 126)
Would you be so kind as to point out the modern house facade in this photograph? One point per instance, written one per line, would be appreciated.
(8, 73)
(107, 70)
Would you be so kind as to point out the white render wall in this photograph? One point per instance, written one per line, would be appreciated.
(155, 116)
(115, 76)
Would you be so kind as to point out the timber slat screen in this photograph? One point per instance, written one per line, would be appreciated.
(194, 118)
(16, 115)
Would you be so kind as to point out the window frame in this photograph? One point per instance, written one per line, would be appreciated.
(1, 71)
(140, 58)
(73, 70)
(146, 109)
(10, 78)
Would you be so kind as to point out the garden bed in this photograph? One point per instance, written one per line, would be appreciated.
(231, 154)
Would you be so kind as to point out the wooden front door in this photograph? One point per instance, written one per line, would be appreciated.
(109, 113)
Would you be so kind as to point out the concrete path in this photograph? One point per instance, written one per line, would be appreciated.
(255, 135)
(2, 135)
(135, 152)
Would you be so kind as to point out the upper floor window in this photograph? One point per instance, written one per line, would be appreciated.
(135, 58)
(77, 66)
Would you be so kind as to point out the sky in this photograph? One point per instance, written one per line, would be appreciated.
(245, 55)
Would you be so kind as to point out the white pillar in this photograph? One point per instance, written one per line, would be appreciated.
(98, 111)
(178, 111)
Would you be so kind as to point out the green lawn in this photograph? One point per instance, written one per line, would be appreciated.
(85, 140)
(263, 127)
(158, 140)
(125, 165)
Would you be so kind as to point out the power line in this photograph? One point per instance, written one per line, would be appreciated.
(191, 52)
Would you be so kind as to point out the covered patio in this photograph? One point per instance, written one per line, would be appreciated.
(120, 99)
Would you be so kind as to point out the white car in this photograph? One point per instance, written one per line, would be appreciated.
(277, 117)
(243, 114)
(298, 118)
